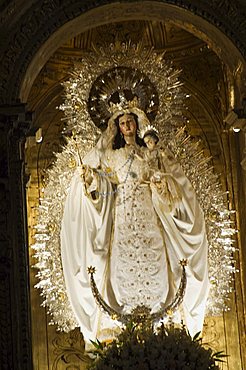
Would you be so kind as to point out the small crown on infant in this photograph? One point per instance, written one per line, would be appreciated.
(148, 130)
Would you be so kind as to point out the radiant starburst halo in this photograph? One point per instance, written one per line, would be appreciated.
(119, 89)
(139, 71)
(81, 110)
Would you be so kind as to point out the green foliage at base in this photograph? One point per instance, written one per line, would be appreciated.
(142, 348)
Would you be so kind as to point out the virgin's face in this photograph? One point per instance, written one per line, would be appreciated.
(127, 125)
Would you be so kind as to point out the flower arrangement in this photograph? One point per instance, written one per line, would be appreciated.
(168, 348)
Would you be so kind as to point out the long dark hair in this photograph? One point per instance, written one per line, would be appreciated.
(119, 141)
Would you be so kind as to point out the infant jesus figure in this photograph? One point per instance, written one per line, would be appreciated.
(161, 179)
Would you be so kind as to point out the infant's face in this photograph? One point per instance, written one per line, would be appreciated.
(150, 142)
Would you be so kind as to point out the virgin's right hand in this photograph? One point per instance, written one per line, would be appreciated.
(86, 174)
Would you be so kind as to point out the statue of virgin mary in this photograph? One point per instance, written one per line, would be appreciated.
(119, 198)
(132, 213)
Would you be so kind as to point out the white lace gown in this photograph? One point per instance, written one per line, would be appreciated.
(138, 263)
(133, 242)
